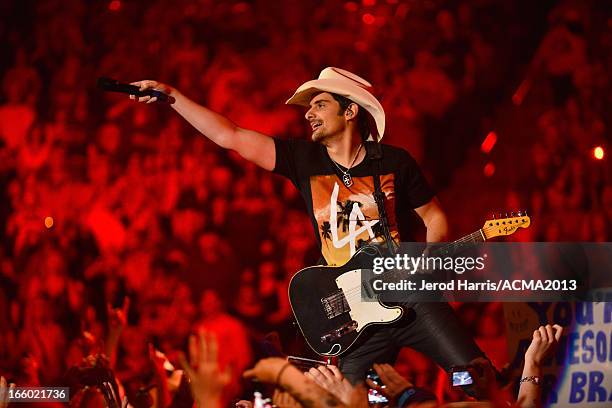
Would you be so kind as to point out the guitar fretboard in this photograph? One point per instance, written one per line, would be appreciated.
(449, 249)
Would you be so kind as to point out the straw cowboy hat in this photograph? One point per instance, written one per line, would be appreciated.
(349, 85)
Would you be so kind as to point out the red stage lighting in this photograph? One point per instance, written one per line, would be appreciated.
(369, 2)
(48, 222)
(489, 142)
(489, 169)
(351, 6)
(599, 153)
(368, 18)
(114, 5)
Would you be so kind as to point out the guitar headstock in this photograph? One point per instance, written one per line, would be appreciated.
(498, 227)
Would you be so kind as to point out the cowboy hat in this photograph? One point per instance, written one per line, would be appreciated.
(349, 85)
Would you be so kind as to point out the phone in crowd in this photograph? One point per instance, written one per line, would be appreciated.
(461, 376)
(375, 397)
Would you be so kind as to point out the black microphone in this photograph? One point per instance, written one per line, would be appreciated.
(112, 85)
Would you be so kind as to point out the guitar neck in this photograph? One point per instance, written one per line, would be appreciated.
(449, 249)
(459, 245)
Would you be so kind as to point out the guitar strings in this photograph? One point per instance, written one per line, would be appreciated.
(356, 291)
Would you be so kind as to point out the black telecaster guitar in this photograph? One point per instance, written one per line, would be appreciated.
(331, 322)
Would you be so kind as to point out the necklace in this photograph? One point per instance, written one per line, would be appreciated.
(346, 177)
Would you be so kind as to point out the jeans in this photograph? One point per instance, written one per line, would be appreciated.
(430, 328)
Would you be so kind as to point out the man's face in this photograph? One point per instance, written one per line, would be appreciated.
(324, 118)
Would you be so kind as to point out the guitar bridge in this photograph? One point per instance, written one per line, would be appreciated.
(339, 332)
(335, 304)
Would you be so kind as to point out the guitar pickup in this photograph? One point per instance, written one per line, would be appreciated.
(335, 304)
(339, 332)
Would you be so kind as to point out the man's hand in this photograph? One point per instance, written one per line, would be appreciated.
(266, 370)
(282, 399)
(544, 341)
(4, 392)
(117, 317)
(394, 383)
(359, 397)
(207, 381)
(331, 379)
(148, 84)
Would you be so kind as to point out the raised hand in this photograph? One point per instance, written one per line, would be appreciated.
(394, 383)
(267, 370)
(207, 381)
(4, 392)
(544, 341)
(158, 359)
(149, 84)
(282, 399)
(359, 397)
(278, 371)
(117, 317)
(330, 378)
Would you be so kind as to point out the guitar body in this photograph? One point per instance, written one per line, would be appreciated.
(328, 306)
(327, 301)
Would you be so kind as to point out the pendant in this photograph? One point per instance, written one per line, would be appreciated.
(347, 179)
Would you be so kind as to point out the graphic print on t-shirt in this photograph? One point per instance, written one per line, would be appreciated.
(347, 218)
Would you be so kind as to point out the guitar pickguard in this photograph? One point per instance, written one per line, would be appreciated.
(364, 312)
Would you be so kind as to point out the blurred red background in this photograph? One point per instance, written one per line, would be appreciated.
(502, 103)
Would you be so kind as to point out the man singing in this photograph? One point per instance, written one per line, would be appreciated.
(335, 177)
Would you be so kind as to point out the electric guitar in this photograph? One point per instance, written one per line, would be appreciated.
(331, 321)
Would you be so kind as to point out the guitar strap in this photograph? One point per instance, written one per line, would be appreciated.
(374, 152)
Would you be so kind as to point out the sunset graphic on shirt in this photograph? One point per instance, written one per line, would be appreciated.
(347, 218)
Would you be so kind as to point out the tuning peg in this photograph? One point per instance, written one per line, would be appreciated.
(500, 215)
(512, 214)
(520, 213)
(493, 215)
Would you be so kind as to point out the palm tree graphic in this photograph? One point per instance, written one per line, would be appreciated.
(344, 214)
(326, 232)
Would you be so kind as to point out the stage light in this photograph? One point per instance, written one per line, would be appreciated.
(48, 222)
(114, 5)
(367, 3)
(351, 6)
(489, 142)
(368, 18)
(598, 153)
(489, 169)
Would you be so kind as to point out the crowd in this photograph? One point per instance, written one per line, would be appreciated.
(209, 382)
(124, 230)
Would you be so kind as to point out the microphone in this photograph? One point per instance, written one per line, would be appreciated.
(112, 85)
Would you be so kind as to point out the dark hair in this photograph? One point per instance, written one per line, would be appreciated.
(363, 122)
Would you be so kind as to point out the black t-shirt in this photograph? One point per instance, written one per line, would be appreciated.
(346, 218)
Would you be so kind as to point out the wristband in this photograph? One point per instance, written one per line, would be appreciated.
(406, 396)
(278, 376)
(534, 379)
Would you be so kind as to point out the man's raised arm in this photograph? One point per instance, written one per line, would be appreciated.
(253, 146)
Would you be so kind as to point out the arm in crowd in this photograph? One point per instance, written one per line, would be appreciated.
(117, 320)
(251, 145)
(331, 379)
(159, 375)
(207, 379)
(4, 390)
(288, 377)
(543, 343)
